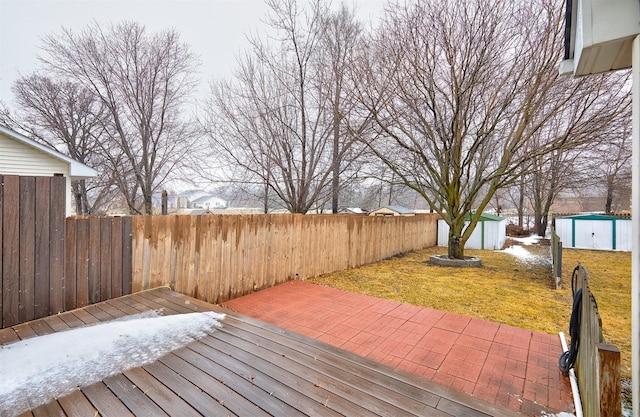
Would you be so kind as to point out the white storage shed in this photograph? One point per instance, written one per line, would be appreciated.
(490, 233)
(594, 231)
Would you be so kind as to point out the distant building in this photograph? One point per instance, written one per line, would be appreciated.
(353, 210)
(392, 211)
(209, 202)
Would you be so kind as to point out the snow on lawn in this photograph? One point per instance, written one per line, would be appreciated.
(531, 240)
(523, 255)
(35, 371)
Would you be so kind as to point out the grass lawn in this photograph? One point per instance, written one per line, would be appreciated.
(507, 289)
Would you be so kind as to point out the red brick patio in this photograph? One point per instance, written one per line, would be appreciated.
(503, 365)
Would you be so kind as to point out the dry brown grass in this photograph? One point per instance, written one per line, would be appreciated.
(505, 290)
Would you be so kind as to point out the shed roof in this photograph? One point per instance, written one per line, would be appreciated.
(77, 170)
(399, 209)
(486, 217)
(594, 216)
(206, 198)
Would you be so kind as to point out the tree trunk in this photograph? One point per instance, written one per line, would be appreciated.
(335, 166)
(521, 205)
(455, 246)
(609, 202)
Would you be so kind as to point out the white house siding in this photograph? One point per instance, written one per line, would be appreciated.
(18, 159)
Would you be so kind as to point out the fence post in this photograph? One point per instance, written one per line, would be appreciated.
(609, 380)
(558, 267)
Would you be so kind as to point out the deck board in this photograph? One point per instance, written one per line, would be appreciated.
(246, 368)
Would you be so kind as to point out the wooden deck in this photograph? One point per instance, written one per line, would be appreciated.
(247, 368)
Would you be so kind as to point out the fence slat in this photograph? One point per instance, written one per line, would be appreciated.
(27, 222)
(70, 262)
(11, 251)
(105, 259)
(94, 260)
(598, 364)
(42, 254)
(609, 380)
(117, 238)
(56, 244)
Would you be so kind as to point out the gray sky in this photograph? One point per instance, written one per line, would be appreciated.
(215, 29)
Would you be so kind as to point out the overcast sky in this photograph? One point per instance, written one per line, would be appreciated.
(215, 29)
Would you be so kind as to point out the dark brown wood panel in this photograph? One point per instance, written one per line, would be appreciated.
(76, 404)
(127, 249)
(27, 247)
(11, 251)
(42, 248)
(70, 262)
(82, 262)
(116, 256)
(57, 209)
(105, 401)
(132, 397)
(106, 259)
(94, 260)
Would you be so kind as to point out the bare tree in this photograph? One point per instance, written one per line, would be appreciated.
(340, 38)
(611, 163)
(281, 119)
(69, 118)
(142, 81)
(460, 90)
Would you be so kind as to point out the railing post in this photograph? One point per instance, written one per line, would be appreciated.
(609, 380)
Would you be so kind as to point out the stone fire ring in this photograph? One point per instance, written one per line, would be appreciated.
(467, 262)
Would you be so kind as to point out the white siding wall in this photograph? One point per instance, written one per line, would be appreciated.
(623, 235)
(18, 159)
(595, 234)
(494, 235)
(563, 229)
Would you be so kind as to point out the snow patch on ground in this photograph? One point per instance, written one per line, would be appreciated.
(531, 240)
(35, 371)
(521, 253)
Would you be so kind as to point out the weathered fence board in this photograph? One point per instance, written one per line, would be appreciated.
(217, 257)
(49, 264)
(598, 364)
(32, 235)
(98, 259)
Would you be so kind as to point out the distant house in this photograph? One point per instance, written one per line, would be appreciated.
(392, 211)
(209, 202)
(20, 155)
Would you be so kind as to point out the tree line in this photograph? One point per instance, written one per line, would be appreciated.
(459, 103)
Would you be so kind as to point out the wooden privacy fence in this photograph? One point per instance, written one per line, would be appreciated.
(218, 257)
(598, 364)
(49, 264)
(97, 259)
(32, 211)
(556, 256)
